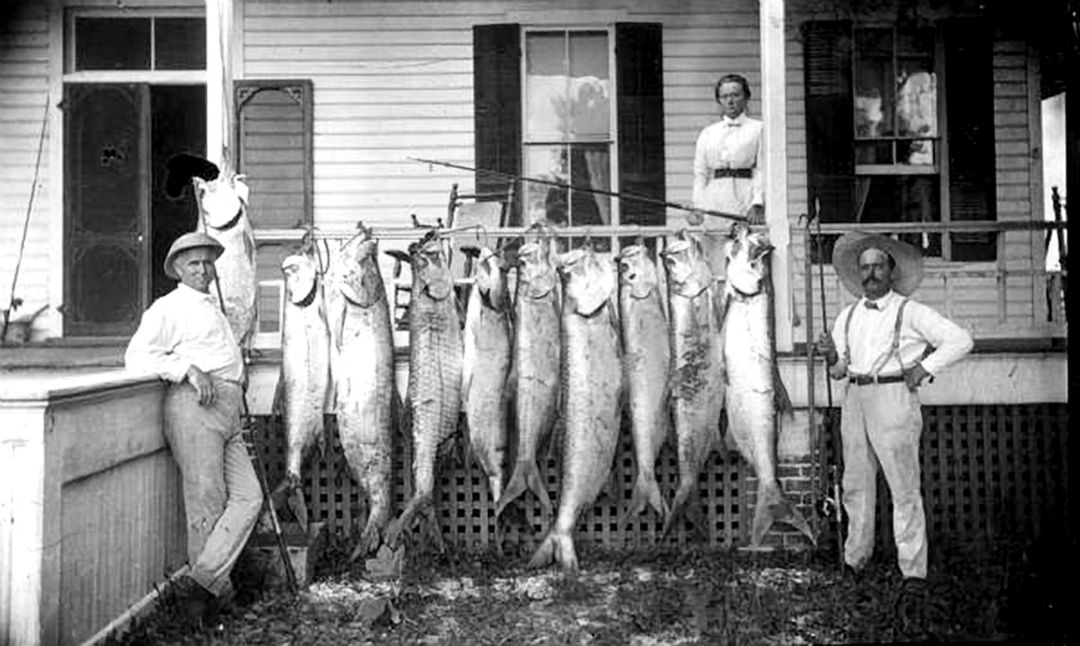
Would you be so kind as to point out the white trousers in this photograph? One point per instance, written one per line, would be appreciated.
(222, 497)
(880, 427)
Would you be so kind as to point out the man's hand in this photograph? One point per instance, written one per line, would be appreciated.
(204, 386)
(826, 348)
(695, 218)
(756, 215)
(914, 377)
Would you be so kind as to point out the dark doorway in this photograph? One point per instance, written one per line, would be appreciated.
(118, 221)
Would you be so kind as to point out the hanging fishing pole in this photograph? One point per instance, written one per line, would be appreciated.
(594, 191)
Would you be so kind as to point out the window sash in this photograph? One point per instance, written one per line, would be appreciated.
(570, 139)
(71, 71)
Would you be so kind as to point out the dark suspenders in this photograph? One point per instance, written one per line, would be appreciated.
(894, 350)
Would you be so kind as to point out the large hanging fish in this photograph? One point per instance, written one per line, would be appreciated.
(485, 389)
(646, 366)
(363, 360)
(435, 358)
(304, 392)
(592, 396)
(754, 388)
(697, 379)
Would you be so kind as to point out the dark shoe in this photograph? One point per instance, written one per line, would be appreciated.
(195, 599)
(911, 606)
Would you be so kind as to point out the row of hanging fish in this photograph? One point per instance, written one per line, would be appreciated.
(580, 342)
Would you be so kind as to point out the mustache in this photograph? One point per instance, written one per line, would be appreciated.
(867, 281)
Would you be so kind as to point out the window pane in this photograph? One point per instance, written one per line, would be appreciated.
(590, 98)
(546, 202)
(112, 43)
(180, 43)
(874, 84)
(546, 81)
(587, 166)
(902, 199)
(873, 152)
(919, 152)
(916, 99)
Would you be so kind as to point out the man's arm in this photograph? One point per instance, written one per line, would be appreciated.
(951, 341)
(150, 348)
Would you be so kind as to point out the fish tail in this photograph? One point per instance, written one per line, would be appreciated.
(646, 493)
(773, 506)
(398, 526)
(555, 548)
(685, 502)
(297, 504)
(526, 477)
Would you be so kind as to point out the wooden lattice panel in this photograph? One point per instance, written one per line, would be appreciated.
(466, 512)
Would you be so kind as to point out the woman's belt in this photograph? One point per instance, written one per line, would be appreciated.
(866, 380)
(742, 173)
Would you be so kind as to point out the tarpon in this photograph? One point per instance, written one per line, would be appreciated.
(646, 366)
(363, 361)
(223, 215)
(304, 391)
(433, 400)
(754, 387)
(592, 395)
(486, 366)
(697, 380)
(534, 377)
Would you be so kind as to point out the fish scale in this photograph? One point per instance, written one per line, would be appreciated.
(435, 371)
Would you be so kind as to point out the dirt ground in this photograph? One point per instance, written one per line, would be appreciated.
(1009, 593)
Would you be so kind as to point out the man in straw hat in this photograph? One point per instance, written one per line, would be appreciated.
(186, 340)
(889, 345)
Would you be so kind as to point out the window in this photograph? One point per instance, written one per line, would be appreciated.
(583, 106)
(274, 149)
(109, 43)
(881, 144)
(568, 133)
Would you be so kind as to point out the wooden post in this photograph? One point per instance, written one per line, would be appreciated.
(219, 96)
(774, 116)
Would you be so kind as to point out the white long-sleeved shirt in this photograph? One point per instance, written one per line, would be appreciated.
(729, 143)
(181, 329)
(870, 337)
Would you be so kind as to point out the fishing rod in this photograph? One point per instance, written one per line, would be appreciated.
(595, 191)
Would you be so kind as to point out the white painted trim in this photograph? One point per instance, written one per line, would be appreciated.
(1035, 177)
(774, 139)
(569, 18)
(56, 168)
(172, 77)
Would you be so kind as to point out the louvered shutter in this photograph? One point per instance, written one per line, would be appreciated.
(639, 68)
(827, 52)
(497, 100)
(969, 104)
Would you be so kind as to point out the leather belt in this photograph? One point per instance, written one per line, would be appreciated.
(866, 380)
(741, 173)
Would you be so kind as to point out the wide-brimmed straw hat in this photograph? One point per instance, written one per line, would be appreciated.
(193, 240)
(851, 245)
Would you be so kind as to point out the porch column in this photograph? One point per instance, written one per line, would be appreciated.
(774, 117)
(219, 96)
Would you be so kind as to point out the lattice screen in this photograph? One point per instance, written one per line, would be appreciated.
(466, 511)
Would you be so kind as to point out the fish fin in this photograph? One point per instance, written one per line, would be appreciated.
(525, 477)
(687, 502)
(545, 553)
(555, 548)
(781, 398)
(646, 493)
(277, 407)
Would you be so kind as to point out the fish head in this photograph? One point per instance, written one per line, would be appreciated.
(431, 269)
(491, 279)
(358, 277)
(221, 202)
(746, 255)
(301, 277)
(589, 280)
(637, 273)
(688, 272)
(535, 272)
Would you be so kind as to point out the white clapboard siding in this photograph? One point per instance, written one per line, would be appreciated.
(394, 81)
(975, 302)
(24, 56)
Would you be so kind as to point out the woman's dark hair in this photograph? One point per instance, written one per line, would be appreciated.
(732, 78)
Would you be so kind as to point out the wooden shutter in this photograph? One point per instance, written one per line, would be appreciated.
(497, 101)
(969, 105)
(106, 207)
(640, 93)
(827, 58)
(275, 150)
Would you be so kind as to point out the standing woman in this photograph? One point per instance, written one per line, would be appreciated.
(727, 166)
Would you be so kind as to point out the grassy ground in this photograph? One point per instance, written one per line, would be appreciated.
(1011, 593)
